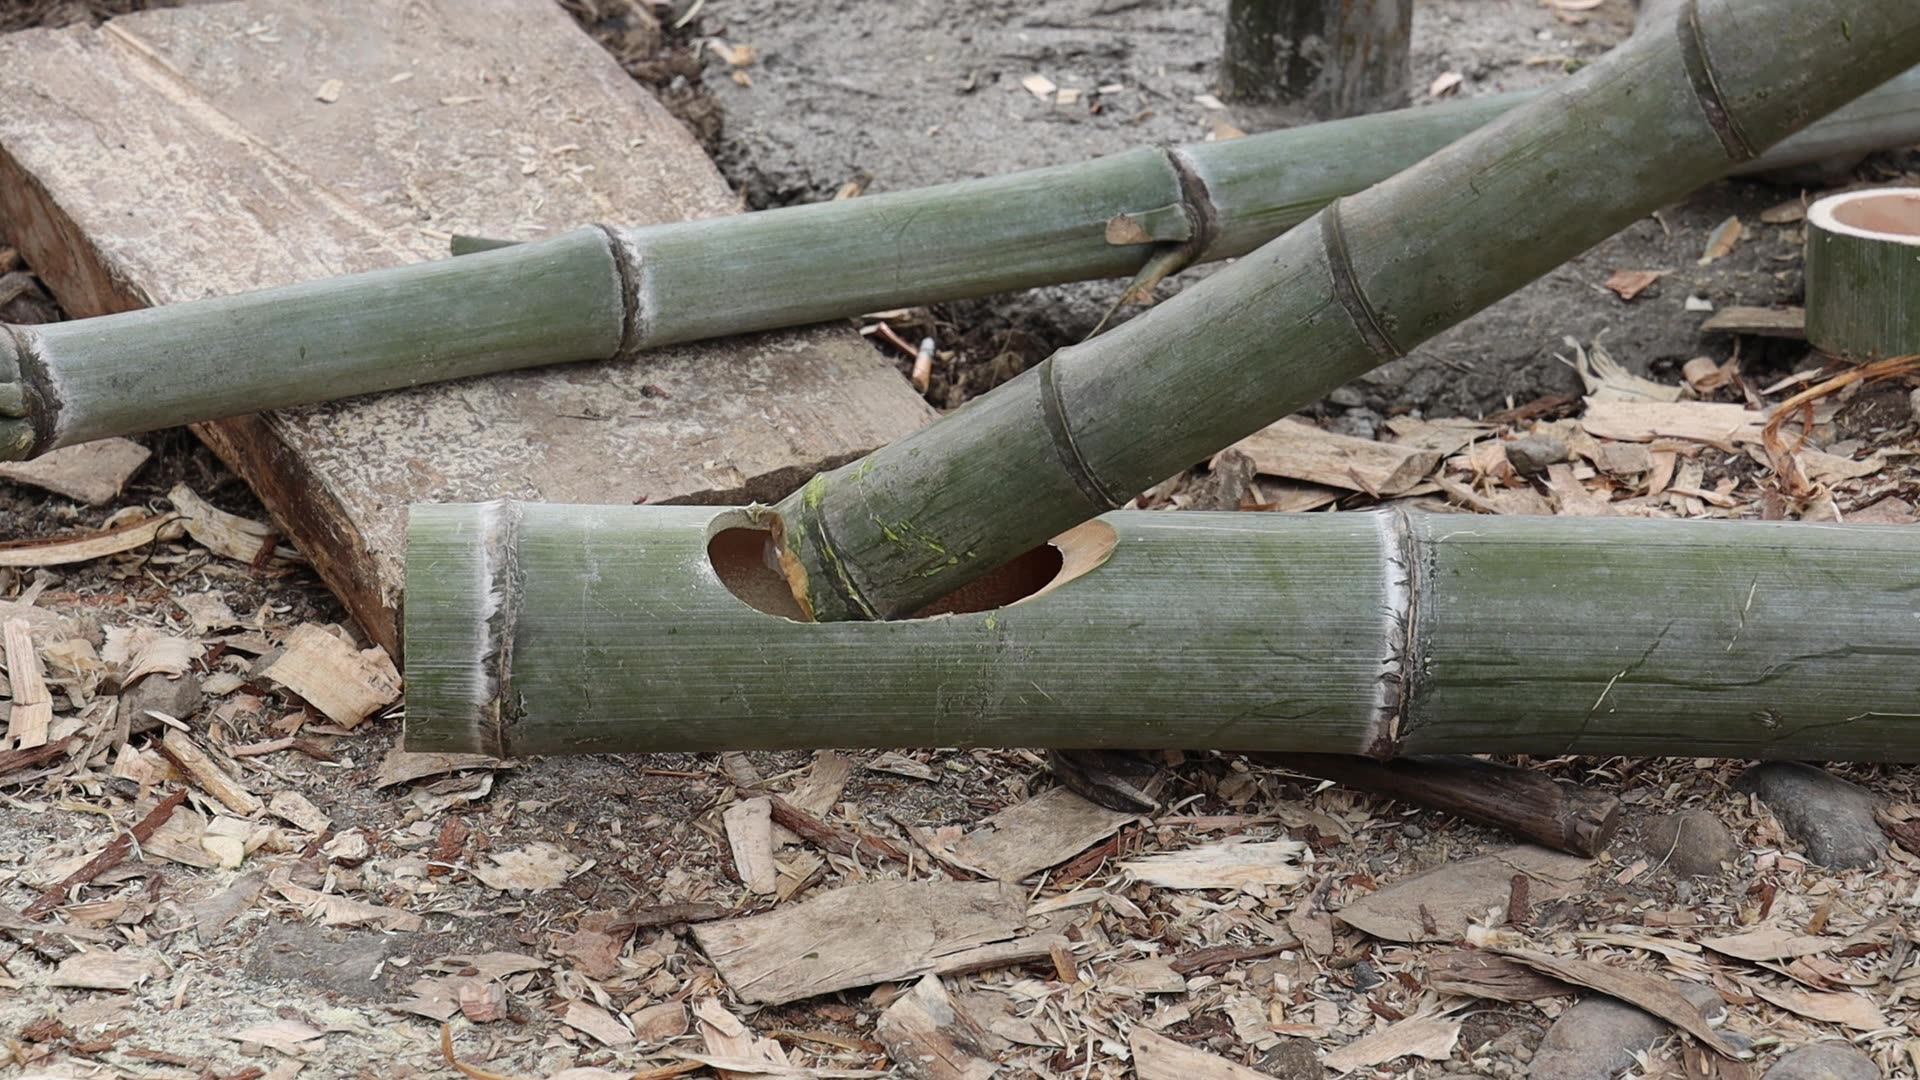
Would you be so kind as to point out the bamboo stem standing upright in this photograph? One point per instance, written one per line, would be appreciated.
(1333, 57)
(1371, 277)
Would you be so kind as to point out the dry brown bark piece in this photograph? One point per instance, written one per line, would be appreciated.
(1043, 831)
(1439, 904)
(859, 935)
(93, 473)
(931, 1038)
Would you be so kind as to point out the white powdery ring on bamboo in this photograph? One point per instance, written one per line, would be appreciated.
(1863, 273)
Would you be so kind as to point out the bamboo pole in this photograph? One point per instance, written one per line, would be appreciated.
(537, 629)
(1863, 274)
(1334, 57)
(1374, 275)
(598, 293)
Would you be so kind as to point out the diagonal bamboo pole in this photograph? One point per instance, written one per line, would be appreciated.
(1372, 276)
(598, 293)
(539, 628)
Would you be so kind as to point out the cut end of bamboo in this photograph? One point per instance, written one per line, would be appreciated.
(17, 435)
(1863, 274)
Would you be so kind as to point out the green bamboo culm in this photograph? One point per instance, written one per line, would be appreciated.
(1372, 276)
(598, 293)
(540, 628)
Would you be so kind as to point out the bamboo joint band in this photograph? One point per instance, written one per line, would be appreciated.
(636, 324)
(1706, 86)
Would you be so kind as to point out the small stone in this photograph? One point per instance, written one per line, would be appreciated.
(1350, 397)
(1824, 1061)
(1531, 454)
(179, 698)
(1832, 819)
(1691, 843)
(1599, 1036)
(1293, 1059)
(1412, 832)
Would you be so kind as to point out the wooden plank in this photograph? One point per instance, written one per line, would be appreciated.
(859, 935)
(32, 712)
(182, 153)
(1788, 322)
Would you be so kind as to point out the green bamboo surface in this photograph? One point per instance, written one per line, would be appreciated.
(582, 297)
(1373, 275)
(536, 629)
(1863, 274)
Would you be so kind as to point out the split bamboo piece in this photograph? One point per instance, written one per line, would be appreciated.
(538, 628)
(1863, 274)
(1371, 277)
(612, 292)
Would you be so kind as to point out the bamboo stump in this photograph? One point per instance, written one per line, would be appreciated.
(1863, 274)
(1333, 57)
(209, 150)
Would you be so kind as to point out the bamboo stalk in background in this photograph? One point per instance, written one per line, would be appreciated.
(538, 629)
(596, 293)
(1863, 274)
(1333, 57)
(1374, 275)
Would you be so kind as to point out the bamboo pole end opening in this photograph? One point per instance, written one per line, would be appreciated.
(18, 434)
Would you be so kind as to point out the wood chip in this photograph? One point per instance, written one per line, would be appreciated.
(660, 1022)
(1788, 322)
(1440, 904)
(335, 910)
(1844, 1008)
(728, 1039)
(207, 775)
(63, 550)
(1225, 865)
(859, 935)
(31, 716)
(1482, 974)
(290, 1037)
(347, 685)
(538, 867)
(1769, 943)
(1694, 421)
(298, 809)
(1147, 975)
(1721, 241)
(230, 536)
(93, 473)
(400, 766)
(1043, 831)
(1647, 992)
(749, 825)
(930, 1038)
(1297, 450)
(1607, 380)
(900, 765)
(590, 1019)
(1156, 1057)
(1430, 1037)
(1627, 284)
(101, 970)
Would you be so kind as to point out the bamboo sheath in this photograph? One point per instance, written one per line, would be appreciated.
(538, 628)
(1372, 276)
(604, 292)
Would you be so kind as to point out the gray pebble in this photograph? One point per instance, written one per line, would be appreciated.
(1690, 843)
(1349, 397)
(1599, 1036)
(1825, 1061)
(1531, 454)
(179, 698)
(1832, 819)
(1412, 832)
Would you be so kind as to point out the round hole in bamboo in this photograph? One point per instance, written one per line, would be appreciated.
(1887, 213)
(741, 552)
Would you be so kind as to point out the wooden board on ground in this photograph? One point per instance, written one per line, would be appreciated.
(184, 153)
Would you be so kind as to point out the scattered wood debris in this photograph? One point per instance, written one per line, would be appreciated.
(347, 685)
(94, 473)
(1044, 831)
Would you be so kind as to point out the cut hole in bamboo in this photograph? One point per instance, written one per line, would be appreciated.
(1863, 274)
(745, 560)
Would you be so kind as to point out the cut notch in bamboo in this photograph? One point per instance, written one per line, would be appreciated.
(1863, 274)
(1381, 633)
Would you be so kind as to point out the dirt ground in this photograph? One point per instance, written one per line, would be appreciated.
(895, 95)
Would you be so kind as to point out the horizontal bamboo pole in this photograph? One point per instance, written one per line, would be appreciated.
(1863, 274)
(540, 629)
(598, 293)
(1373, 276)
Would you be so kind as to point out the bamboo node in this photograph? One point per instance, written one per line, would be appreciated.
(1706, 87)
(636, 324)
(1346, 288)
(1060, 433)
